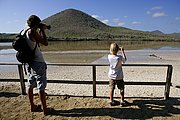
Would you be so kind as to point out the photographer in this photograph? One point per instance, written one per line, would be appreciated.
(37, 68)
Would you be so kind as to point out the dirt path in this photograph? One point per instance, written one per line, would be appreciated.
(15, 106)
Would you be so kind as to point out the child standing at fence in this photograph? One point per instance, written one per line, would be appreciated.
(116, 73)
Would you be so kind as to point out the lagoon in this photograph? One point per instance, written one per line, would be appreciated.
(5, 43)
(84, 56)
(83, 51)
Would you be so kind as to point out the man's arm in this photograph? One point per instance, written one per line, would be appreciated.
(43, 38)
(39, 37)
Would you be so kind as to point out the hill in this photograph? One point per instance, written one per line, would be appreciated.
(157, 32)
(73, 24)
(6, 37)
(178, 34)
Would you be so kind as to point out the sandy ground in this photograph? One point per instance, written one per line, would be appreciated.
(74, 101)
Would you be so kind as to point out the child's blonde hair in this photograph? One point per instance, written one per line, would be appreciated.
(114, 48)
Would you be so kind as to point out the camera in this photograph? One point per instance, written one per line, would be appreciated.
(48, 27)
(44, 26)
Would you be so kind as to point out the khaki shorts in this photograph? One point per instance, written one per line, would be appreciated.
(119, 83)
(37, 75)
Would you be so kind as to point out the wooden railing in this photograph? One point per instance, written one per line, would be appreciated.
(94, 82)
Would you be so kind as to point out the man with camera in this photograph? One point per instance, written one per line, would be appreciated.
(37, 68)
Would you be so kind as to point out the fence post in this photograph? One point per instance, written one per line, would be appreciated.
(21, 75)
(94, 81)
(168, 81)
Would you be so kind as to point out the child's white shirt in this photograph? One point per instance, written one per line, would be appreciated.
(115, 68)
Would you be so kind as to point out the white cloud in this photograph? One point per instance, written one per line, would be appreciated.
(156, 11)
(136, 23)
(95, 16)
(148, 12)
(105, 21)
(121, 24)
(159, 14)
(179, 29)
(157, 8)
(177, 18)
(118, 22)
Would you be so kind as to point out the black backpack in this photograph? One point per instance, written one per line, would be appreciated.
(24, 53)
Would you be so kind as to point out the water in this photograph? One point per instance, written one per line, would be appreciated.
(164, 48)
(5, 43)
(169, 48)
(8, 55)
(7, 51)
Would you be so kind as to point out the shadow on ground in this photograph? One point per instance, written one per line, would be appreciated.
(9, 94)
(144, 109)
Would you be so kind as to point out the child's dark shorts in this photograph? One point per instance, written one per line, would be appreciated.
(119, 83)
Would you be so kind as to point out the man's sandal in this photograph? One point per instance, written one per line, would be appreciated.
(49, 111)
(37, 108)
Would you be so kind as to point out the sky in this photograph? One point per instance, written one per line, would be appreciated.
(144, 15)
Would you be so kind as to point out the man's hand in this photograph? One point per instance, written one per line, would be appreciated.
(43, 26)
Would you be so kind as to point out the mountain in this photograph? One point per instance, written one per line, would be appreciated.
(75, 24)
(72, 24)
(177, 34)
(157, 32)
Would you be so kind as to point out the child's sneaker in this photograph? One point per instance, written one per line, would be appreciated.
(114, 103)
(124, 103)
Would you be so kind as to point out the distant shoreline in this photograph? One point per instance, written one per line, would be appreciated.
(97, 45)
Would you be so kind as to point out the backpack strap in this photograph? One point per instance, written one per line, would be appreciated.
(25, 34)
(24, 64)
(25, 31)
(35, 46)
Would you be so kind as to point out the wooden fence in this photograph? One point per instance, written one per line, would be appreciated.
(94, 82)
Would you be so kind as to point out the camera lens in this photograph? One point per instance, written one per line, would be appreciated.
(48, 27)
